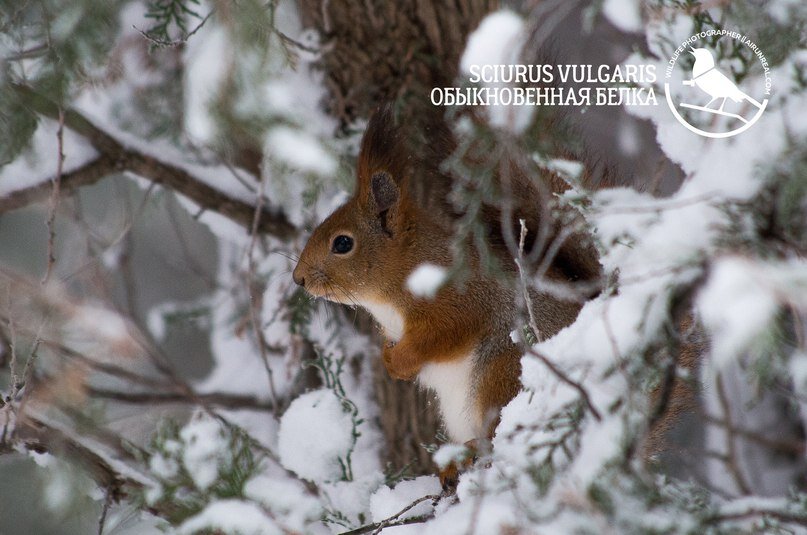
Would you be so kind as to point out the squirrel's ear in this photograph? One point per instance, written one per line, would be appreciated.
(381, 152)
(383, 192)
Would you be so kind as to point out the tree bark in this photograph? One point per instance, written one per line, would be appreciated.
(378, 51)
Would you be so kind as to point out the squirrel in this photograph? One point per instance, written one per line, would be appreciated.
(458, 342)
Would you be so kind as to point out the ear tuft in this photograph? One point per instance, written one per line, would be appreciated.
(384, 191)
(381, 141)
(382, 152)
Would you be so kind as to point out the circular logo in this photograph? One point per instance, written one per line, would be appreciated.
(708, 96)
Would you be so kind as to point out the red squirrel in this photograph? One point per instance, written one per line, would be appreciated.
(457, 343)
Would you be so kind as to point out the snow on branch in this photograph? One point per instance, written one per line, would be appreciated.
(115, 471)
(396, 519)
(120, 153)
(85, 175)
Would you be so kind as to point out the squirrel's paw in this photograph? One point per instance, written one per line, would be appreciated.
(398, 367)
(450, 474)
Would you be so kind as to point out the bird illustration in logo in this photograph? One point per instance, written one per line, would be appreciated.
(713, 82)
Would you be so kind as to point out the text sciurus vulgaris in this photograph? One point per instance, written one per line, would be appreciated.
(546, 85)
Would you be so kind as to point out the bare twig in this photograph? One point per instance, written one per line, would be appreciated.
(28, 371)
(254, 300)
(782, 516)
(29, 53)
(12, 347)
(56, 182)
(554, 248)
(658, 206)
(393, 520)
(105, 368)
(609, 331)
(534, 326)
(731, 451)
(788, 447)
(7, 407)
(164, 43)
(568, 380)
(477, 505)
(104, 510)
(227, 401)
(523, 276)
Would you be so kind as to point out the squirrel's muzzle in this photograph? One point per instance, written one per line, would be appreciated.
(298, 276)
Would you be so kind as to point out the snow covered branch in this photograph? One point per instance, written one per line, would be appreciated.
(85, 175)
(396, 520)
(214, 399)
(118, 155)
(115, 471)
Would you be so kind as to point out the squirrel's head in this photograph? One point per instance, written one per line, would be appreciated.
(360, 251)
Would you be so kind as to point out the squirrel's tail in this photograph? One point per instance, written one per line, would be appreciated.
(556, 238)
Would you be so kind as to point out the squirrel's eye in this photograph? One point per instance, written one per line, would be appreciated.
(342, 244)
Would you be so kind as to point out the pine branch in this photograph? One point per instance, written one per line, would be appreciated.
(116, 157)
(227, 401)
(85, 175)
(164, 41)
(36, 435)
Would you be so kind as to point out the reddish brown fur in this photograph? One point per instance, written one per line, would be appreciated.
(439, 329)
(471, 317)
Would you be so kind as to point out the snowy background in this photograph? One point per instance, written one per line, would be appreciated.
(162, 165)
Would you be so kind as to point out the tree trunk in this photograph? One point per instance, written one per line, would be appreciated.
(379, 51)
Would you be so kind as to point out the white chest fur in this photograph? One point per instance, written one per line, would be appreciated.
(388, 317)
(451, 381)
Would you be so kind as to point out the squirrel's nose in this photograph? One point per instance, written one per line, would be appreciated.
(298, 278)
